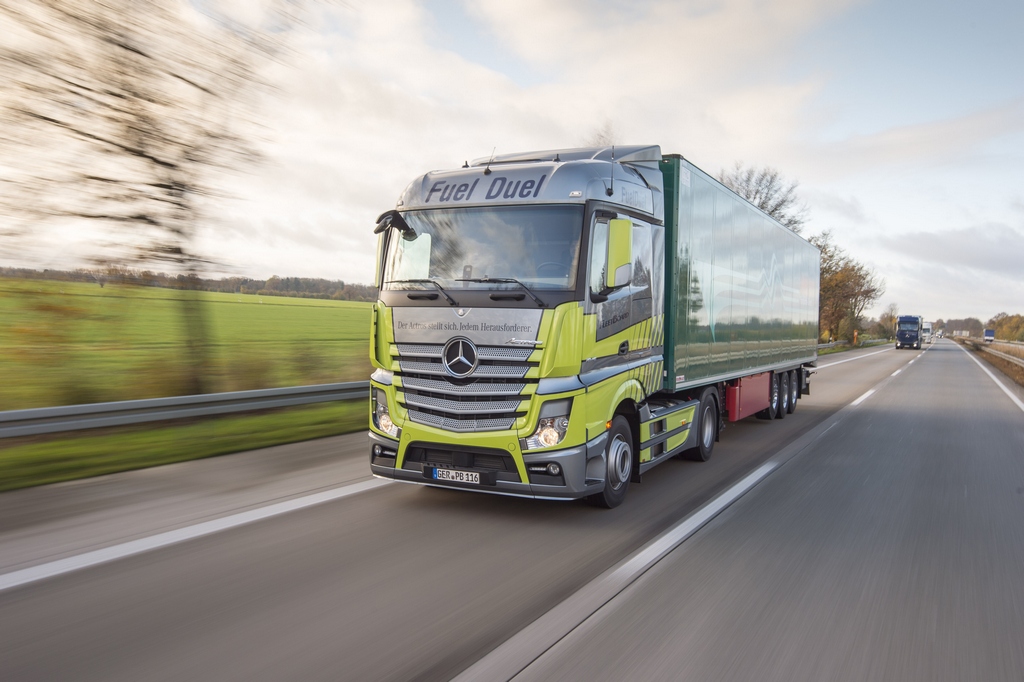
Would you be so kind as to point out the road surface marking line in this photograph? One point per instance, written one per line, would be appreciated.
(896, 372)
(524, 647)
(172, 537)
(861, 399)
(859, 357)
(992, 376)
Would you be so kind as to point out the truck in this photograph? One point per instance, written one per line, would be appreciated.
(990, 335)
(555, 324)
(926, 332)
(908, 331)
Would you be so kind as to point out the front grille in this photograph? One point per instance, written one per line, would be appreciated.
(489, 399)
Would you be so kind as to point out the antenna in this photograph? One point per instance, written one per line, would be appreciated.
(611, 190)
(487, 168)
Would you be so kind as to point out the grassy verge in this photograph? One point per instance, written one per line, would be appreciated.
(24, 464)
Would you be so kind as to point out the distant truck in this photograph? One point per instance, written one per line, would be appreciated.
(926, 332)
(990, 335)
(908, 331)
(554, 324)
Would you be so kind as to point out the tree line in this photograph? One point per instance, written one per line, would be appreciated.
(295, 287)
(1007, 327)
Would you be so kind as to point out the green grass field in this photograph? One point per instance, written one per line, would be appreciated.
(67, 343)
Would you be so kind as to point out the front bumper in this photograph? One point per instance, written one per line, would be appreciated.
(582, 469)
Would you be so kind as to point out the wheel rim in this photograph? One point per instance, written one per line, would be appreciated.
(775, 393)
(620, 461)
(707, 427)
(784, 395)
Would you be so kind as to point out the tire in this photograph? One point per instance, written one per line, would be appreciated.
(784, 395)
(773, 402)
(794, 389)
(618, 457)
(707, 427)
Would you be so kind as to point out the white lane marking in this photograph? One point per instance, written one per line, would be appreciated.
(896, 372)
(861, 399)
(992, 376)
(172, 537)
(859, 357)
(516, 653)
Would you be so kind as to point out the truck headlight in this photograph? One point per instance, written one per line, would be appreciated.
(550, 432)
(381, 416)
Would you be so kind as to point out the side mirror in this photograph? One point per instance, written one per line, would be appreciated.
(618, 270)
(394, 219)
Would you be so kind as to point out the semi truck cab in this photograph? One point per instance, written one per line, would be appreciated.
(908, 331)
(519, 338)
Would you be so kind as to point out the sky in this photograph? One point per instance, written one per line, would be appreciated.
(903, 122)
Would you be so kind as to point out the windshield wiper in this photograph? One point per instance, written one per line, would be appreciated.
(505, 280)
(425, 281)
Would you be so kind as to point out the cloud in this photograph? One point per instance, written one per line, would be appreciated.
(851, 208)
(373, 98)
(992, 248)
(938, 142)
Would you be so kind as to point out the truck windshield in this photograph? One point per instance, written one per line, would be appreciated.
(537, 245)
(908, 326)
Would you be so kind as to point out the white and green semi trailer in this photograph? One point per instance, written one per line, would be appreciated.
(555, 324)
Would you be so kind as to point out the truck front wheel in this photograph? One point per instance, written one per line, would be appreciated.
(618, 457)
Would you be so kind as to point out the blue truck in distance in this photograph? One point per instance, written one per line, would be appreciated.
(908, 331)
(990, 335)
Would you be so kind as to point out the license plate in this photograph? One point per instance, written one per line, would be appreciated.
(456, 476)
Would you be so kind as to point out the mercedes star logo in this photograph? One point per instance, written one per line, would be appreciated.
(459, 357)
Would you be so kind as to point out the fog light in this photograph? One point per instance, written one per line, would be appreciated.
(377, 450)
(554, 469)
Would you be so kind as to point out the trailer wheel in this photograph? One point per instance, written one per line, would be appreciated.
(773, 403)
(784, 396)
(618, 457)
(707, 427)
(794, 389)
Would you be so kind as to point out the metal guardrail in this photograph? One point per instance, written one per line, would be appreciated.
(44, 420)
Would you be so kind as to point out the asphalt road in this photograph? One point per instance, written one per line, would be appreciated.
(888, 546)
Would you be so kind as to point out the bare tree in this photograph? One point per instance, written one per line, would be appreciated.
(888, 318)
(767, 189)
(117, 116)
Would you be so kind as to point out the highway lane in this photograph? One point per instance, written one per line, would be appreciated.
(396, 583)
(893, 549)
